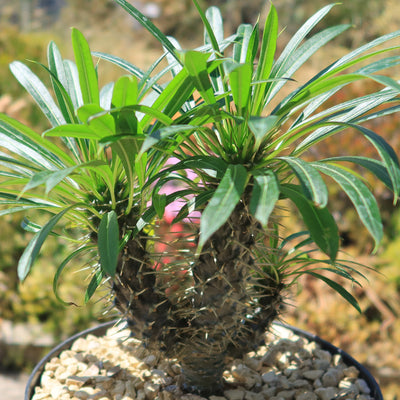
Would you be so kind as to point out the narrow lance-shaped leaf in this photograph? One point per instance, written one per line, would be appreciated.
(214, 18)
(242, 43)
(223, 202)
(94, 284)
(268, 48)
(125, 92)
(59, 271)
(338, 288)
(146, 23)
(210, 35)
(387, 154)
(240, 82)
(319, 221)
(35, 87)
(264, 196)
(359, 194)
(87, 73)
(261, 127)
(311, 182)
(58, 79)
(26, 143)
(374, 166)
(32, 250)
(106, 93)
(75, 131)
(73, 88)
(98, 120)
(108, 243)
(195, 63)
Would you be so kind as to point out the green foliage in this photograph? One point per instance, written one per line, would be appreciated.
(82, 180)
(246, 137)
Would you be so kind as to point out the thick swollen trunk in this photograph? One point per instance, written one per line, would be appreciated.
(135, 292)
(232, 304)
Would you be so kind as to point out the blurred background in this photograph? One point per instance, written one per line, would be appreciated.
(31, 319)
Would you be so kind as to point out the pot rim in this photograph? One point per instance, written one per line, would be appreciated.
(101, 329)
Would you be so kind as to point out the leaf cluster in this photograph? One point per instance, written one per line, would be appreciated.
(222, 115)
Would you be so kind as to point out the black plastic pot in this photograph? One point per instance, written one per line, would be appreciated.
(100, 330)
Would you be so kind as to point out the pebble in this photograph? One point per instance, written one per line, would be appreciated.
(116, 367)
(234, 394)
(330, 378)
(363, 386)
(328, 393)
(313, 374)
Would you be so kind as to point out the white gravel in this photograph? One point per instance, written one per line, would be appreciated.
(113, 367)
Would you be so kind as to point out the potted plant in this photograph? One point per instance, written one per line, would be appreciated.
(240, 150)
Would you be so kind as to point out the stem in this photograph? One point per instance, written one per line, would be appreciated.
(203, 374)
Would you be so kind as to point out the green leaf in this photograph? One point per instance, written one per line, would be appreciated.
(106, 93)
(27, 144)
(163, 133)
(293, 56)
(223, 202)
(311, 182)
(264, 196)
(87, 73)
(359, 194)
(38, 91)
(214, 17)
(73, 130)
(319, 221)
(241, 45)
(60, 83)
(262, 127)
(108, 243)
(172, 98)
(98, 120)
(195, 63)
(125, 92)
(338, 288)
(94, 284)
(203, 163)
(268, 48)
(59, 271)
(193, 204)
(159, 202)
(73, 88)
(129, 68)
(387, 154)
(210, 35)
(146, 23)
(240, 76)
(374, 166)
(32, 250)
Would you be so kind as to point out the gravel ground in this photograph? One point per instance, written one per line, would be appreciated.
(12, 386)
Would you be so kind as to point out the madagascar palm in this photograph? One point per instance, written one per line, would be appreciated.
(247, 150)
(90, 183)
(223, 117)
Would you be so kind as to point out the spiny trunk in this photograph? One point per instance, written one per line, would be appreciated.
(220, 309)
(136, 294)
(230, 307)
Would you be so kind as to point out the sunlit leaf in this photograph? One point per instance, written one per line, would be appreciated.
(108, 243)
(223, 202)
(87, 73)
(264, 196)
(319, 221)
(364, 202)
